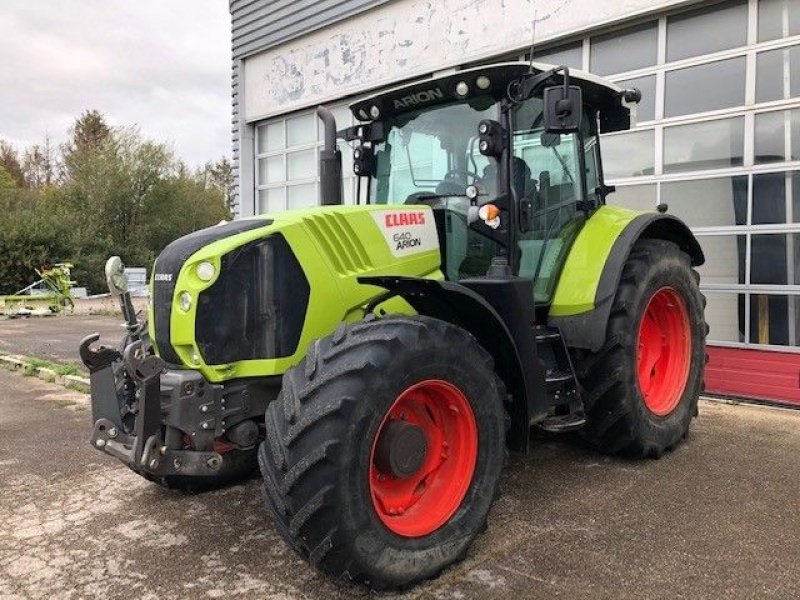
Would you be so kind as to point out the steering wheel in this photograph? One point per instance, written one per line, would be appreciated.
(451, 174)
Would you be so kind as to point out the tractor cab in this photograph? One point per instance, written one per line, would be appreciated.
(509, 183)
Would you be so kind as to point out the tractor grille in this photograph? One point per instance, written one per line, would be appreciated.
(167, 267)
(339, 242)
(256, 307)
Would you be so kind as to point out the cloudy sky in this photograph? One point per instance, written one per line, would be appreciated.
(162, 64)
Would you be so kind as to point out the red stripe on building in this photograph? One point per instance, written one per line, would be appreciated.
(758, 374)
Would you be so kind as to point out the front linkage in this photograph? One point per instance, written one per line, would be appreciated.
(155, 445)
(169, 424)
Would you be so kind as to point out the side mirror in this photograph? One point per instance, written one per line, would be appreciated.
(115, 276)
(563, 108)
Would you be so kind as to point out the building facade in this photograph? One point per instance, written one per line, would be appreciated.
(717, 139)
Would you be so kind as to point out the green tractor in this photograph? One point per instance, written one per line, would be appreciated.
(377, 360)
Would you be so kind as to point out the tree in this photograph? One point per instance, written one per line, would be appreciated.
(90, 131)
(118, 193)
(9, 161)
(89, 134)
(221, 176)
(39, 165)
(7, 183)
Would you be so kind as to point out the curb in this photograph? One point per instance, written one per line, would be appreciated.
(73, 382)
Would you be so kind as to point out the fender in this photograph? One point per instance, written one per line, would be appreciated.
(499, 313)
(587, 328)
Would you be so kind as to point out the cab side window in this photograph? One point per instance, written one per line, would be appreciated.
(547, 178)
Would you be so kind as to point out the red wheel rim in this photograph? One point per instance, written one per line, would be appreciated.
(663, 351)
(419, 504)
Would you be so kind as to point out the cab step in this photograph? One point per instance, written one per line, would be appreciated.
(558, 378)
(546, 335)
(562, 423)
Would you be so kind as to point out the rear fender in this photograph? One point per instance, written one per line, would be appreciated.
(510, 342)
(585, 326)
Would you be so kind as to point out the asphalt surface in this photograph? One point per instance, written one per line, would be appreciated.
(717, 518)
(56, 338)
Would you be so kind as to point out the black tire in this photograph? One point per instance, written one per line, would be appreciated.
(316, 459)
(618, 420)
(237, 466)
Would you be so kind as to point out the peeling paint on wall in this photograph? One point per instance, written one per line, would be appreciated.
(408, 38)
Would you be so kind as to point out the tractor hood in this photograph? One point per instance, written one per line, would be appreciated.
(246, 298)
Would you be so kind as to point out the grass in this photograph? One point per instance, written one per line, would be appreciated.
(65, 403)
(60, 369)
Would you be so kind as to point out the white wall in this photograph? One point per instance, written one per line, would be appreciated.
(410, 38)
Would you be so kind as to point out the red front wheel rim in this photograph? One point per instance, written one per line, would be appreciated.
(419, 503)
(663, 353)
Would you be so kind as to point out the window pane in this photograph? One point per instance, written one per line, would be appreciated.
(795, 186)
(769, 74)
(270, 137)
(270, 169)
(772, 19)
(769, 137)
(725, 258)
(769, 319)
(625, 50)
(301, 196)
(349, 190)
(769, 198)
(571, 56)
(706, 31)
(725, 316)
(301, 130)
(769, 265)
(347, 157)
(343, 116)
(302, 165)
(709, 145)
(271, 200)
(635, 197)
(628, 154)
(721, 201)
(646, 109)
(705, 87)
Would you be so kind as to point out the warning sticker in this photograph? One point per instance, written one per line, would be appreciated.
(407, 231)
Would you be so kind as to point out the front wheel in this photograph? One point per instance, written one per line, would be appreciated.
(384, 450)
(642, 386)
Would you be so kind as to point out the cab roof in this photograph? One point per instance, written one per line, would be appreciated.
(493, 80)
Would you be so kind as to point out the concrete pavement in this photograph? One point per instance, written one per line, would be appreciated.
(56, 338)
(718, 518)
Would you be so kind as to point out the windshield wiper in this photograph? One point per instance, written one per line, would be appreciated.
(435, 196)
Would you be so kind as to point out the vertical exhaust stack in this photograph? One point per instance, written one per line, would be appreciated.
(330, 161)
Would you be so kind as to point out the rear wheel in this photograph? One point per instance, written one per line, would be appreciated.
(642, 386)
(384, 450)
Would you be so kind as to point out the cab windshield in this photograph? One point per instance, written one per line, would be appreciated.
(433, 153)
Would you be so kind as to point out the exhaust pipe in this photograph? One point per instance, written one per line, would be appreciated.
(330, 161)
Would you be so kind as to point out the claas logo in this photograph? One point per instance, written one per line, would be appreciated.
(404, 219)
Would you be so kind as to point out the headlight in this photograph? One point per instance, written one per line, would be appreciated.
(206, 271)
(186, 301)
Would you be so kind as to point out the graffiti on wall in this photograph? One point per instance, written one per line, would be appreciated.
(409, 38)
